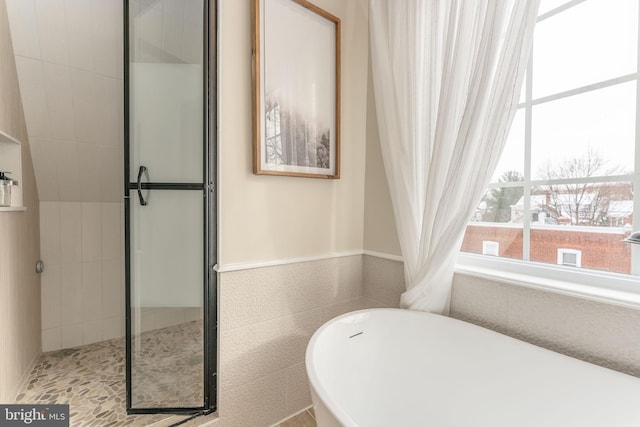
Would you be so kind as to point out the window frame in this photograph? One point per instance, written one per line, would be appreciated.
(604, 286)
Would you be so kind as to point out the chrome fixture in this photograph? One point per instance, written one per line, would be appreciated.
(5, 189)
(633, 238)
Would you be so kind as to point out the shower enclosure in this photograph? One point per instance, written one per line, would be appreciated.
(170, 206)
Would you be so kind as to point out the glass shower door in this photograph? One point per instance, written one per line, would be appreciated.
(167, 205)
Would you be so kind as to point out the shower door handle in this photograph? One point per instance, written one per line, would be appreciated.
(141, 171)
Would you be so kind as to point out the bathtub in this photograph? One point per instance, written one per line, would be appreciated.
(400, 368)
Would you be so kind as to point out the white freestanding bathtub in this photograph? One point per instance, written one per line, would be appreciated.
(400, 368)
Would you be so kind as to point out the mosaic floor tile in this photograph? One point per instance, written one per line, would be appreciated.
(91, 378)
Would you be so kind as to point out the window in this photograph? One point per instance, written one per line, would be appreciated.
(569, 257)
(490, 248)
(567, 174)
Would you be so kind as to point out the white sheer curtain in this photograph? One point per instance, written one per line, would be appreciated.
(447, 76)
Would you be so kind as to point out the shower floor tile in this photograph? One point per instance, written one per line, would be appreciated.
(91, 378)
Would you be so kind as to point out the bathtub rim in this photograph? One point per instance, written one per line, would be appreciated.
(330, 405)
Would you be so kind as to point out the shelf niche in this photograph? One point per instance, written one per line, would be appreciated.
(11, 161)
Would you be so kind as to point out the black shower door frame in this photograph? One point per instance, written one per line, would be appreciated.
(207, 186)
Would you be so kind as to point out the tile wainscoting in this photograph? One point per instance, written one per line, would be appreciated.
(599, 333)
(267, 316)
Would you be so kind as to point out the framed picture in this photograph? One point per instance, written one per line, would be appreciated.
(296, 96)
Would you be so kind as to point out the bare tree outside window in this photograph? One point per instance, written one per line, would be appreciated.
(584, 203)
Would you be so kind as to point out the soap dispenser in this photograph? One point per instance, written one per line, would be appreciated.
(5, 189)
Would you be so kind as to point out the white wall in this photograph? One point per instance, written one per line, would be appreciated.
(379, 224)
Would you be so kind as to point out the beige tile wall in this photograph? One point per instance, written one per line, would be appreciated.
(83, 280)
(599, 333)
(19, 241)
(267, 316)
(383, 280)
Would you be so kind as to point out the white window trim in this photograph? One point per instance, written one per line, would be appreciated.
(577, 253)
(611, 288)
(490, 248)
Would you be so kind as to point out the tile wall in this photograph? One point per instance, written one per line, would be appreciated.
(68, 55)
(383, 280)
(603, 334)
(83, 281)
(69, 60)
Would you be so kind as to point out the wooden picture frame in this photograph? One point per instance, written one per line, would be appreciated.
(296, 89)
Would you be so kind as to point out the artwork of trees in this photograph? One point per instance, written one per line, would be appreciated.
(295, 140)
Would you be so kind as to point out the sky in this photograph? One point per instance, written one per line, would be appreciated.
(594, 41)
